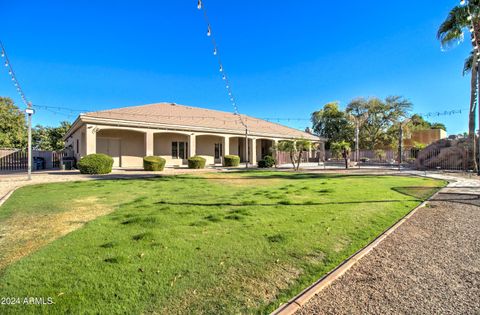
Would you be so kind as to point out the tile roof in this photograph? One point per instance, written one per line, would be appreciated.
(186, 116)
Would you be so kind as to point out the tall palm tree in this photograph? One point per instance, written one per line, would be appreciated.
(452, 31)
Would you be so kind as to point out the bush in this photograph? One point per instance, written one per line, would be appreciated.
(231, 160)
(153, 163)
(196, 162)
(95, 164)
(267, 162)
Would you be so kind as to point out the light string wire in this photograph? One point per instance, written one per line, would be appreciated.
(216, 52)
(12, 74)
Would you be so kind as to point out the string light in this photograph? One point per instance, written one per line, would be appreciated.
(8, 65)
(201, 6)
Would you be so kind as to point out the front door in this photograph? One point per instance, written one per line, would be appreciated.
(218, 152)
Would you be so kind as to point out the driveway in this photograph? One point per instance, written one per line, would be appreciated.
(429, 265)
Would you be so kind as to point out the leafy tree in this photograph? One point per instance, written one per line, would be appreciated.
(381, 115)
(332, 123)
(342, 148)
(452, 32)
(295, 148)
(13, 129)
(49, 138)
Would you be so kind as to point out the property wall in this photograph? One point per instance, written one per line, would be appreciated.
(162, 146)
(132, 145)
(425, 137)
(206, 147)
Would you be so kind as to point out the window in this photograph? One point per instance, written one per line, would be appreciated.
(78, 146)
(179, 150)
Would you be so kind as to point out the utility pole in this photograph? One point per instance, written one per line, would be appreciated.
(29, 112)
(400, 146)
(357, 149)
(247, 156)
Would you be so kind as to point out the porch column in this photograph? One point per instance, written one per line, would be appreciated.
(192, 145)
(253, 152)
(149, 143)
(91, 140)
(226, 145)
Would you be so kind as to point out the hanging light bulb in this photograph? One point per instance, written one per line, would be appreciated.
(215, 51)
(227, 86)
(469, 18)
(221, 69)
(10, 72)
(13, 78)
(6, 63)
(209, 31)
(223, 76)
(3, 53)
(199, 4)
(471, 29)
(461, 2)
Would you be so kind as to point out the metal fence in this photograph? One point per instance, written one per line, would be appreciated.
(17, 159)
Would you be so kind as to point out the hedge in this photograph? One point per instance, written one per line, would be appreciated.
(153, 163)
(231, 160)
(266, 162)
(196, 162)
(95, 164)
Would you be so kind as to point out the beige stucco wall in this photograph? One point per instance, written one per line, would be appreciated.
(132, 146)
(206, 147)
(162, 146)
(136, 142)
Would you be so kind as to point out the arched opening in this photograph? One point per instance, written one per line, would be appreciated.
(126, 147)
(211, 147)
(264, 147)
(173, 147)
(237, 147)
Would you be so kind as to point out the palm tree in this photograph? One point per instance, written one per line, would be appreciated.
(452, 31)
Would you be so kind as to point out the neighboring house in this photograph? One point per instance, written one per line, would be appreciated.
(174, 132)
(425, 137)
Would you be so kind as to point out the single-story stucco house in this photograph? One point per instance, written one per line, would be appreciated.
(174, 132)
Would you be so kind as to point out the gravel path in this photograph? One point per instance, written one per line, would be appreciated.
(429, 265)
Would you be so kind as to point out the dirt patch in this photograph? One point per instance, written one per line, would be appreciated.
(21, 235)
(251, 290)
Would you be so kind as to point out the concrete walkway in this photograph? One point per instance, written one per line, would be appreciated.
(429, 265)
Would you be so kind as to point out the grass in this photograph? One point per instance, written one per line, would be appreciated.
(222, 243)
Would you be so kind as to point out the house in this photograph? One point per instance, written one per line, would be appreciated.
(174, 132)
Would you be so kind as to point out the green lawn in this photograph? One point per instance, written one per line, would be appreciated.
(220, 243)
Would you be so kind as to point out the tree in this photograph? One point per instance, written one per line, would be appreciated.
(295, 148)
(452, 32)
(438, 126)
(332, 123)
(381, 115)
(13, 129)
(49, 138)
(342, 148)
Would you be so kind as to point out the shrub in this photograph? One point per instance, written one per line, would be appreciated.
(267, 162)
(95, 164)
(196, 162)
(153, 163)
(231, 160)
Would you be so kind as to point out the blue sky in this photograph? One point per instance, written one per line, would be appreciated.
(285, 59)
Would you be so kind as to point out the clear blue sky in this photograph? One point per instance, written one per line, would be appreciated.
(285, 59)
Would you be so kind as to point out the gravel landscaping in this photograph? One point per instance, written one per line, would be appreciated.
(430, 265)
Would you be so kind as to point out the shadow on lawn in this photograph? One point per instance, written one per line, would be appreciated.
(280, 203)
